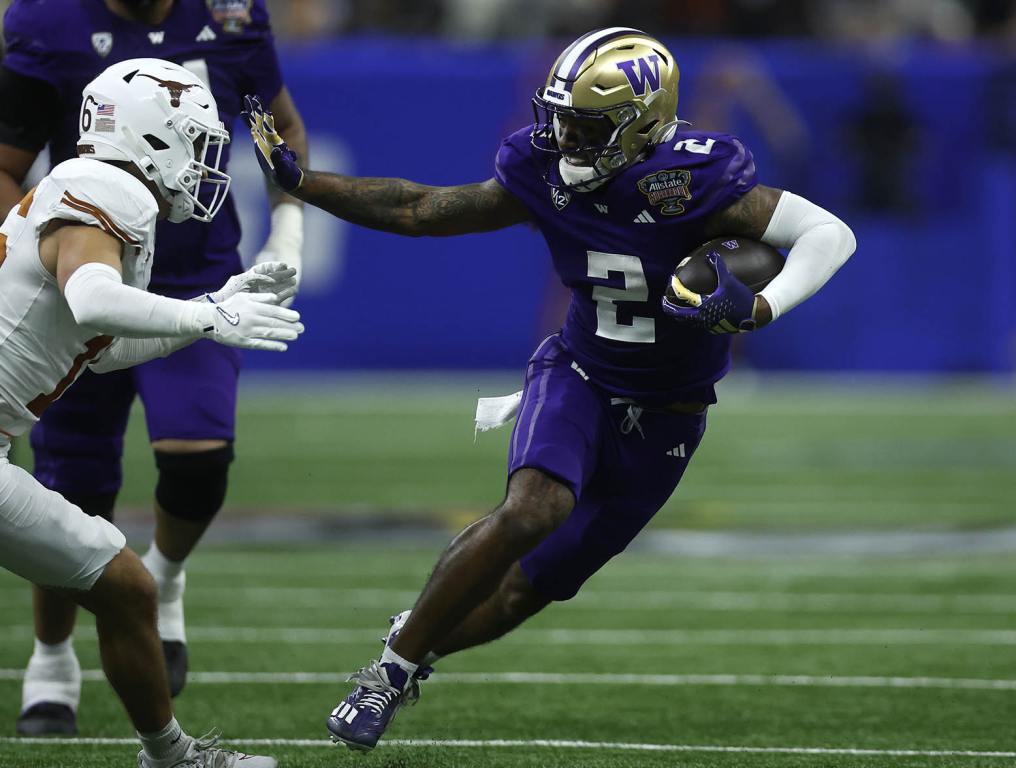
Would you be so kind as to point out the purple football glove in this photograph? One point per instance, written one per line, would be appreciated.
(276, 159)
(728, 309)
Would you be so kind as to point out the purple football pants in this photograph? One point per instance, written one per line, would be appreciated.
(621, 462)
(190, 395)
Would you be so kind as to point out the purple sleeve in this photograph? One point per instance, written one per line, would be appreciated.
(261, 72)
(726, 177)
(515, 169)
(28, 51)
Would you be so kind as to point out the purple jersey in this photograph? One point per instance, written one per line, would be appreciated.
(228, 43)
(616, 248)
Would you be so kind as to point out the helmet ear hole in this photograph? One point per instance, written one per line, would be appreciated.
(648, 128)
(155, 142)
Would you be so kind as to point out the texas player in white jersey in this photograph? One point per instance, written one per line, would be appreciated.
(75, 257)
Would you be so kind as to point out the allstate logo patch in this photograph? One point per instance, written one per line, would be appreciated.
(560, 197)
(231, 15)
(667, 189)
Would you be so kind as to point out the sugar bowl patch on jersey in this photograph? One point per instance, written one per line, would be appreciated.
(232, 15)
(668, 189)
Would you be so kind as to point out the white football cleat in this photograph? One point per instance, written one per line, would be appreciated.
(204, 753)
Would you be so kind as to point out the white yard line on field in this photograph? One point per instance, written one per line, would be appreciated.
(615, 600)
(606, 637)
(556, 744)
(564, 678)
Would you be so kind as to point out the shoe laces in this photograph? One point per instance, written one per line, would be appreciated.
(379, 693)
(205, 754)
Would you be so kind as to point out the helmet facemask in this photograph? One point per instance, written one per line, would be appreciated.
(183, 189)
(597, 155)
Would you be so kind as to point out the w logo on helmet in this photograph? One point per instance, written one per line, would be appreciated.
(648, 74)
(176, 90)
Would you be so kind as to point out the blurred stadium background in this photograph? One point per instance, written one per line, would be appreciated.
(899, 115)
(864, 448)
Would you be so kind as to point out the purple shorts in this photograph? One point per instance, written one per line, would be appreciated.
(621, 462)
(190, 395)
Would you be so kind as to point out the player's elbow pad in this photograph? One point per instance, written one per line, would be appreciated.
(98, 299)
(819, 243)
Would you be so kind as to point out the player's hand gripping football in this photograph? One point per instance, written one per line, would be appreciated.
(251, 321)
(277, 160)
(271, 277)
(728, 309)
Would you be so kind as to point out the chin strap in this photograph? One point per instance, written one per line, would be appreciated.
(181, 208)
(583, 176)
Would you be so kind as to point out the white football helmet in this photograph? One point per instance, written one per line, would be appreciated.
(164, 119)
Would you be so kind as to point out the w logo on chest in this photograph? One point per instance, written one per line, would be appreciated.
(642, 73)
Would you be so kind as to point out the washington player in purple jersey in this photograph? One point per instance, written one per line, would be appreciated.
(189, 397)
(614, 405)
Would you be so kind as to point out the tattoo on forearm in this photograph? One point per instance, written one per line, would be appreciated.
(405, 207)
(748, 217)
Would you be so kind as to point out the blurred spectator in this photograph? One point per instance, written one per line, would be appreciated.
(861, 20)
(885, 20)
(309, 19)
(882, 137)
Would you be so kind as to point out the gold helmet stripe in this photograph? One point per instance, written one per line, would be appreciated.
(571, 60)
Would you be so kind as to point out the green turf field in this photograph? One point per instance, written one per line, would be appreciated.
(789, 660)
(819, 654)
(781, 454)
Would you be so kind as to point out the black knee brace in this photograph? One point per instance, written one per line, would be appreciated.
(192, 486)
(94, 504)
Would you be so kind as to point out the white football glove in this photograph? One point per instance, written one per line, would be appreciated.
(250, 321)
(285, 242)
(274, 277)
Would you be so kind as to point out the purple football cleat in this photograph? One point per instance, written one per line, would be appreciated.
(362, 717)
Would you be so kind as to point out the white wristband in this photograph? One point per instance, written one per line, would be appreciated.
(286, 236)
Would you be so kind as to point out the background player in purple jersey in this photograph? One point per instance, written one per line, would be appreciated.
(614, 404)
(189, 397)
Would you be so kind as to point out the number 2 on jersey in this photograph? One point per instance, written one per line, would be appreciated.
(695, 146)
(642, 329)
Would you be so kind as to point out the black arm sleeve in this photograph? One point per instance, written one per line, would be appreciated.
(32, 112)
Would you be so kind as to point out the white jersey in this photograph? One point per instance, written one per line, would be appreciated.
(42, 348)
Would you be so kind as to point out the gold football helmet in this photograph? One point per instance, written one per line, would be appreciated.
(610, 96)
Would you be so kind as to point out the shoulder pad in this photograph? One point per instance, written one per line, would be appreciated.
(104, 195)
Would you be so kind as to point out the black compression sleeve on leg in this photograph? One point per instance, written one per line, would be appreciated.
(94, 504)
(192, 486)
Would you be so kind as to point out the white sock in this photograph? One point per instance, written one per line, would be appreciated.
(171, 579)
(165, 747)
(53, 674)
(391, 657)
(161, 567)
